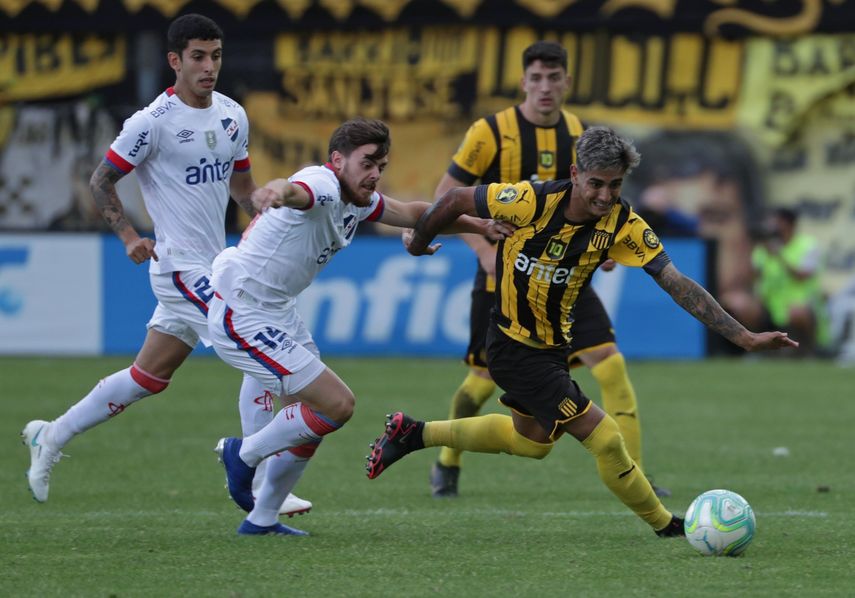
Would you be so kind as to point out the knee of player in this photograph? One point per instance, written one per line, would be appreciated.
(525, 447)
(341, 407)
(149, 384)
(605, 438)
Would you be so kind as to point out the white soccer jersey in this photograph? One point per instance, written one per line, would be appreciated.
(184, 158)
(284, 248)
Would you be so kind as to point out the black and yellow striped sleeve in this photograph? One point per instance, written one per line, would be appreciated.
(635, 243)
(515, 203)
(475, 154)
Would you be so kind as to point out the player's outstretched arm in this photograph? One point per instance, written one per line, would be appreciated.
(407, 214)
(441, 214)
(102, 185)
(483, 249)
(692, 297)
(280, 193)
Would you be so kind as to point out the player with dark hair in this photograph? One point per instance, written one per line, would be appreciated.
(254, 324)
(190, 151)
(535, 141)
(567, 228)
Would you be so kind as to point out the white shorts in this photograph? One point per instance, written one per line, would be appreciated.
(182, 305)
(275, 348)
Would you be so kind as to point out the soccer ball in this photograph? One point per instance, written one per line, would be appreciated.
(720, 522)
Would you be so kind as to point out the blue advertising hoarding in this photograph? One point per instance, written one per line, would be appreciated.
(375, 299)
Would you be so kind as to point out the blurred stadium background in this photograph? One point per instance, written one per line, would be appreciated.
(736, 106)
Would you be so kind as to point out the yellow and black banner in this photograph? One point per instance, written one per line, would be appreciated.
(38, 66)
(732, 17)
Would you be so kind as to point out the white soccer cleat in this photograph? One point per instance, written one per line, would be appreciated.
(42, 458)
(294, 505)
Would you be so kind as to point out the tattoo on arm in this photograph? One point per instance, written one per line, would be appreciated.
(103, 187)
(437, 217)
(692, 297)
(246, 204)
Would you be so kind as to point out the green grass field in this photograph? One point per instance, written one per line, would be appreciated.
(139, 508)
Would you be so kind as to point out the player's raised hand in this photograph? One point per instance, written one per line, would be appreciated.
(765, 341)
(499, 229)
(140, 249)
(407, 239)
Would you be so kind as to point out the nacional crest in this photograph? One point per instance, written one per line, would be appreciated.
(230, 127)
(600, 239)
(211, 139)
(507, 195)
(547, 159)
(650, 238)
(556, 248)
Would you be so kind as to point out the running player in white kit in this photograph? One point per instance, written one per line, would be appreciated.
(253, 322)
(189, 150)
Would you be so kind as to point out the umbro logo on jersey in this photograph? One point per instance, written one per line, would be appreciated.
(185, 135)
(231, 128)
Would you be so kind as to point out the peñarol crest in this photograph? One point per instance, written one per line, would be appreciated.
(600, 239)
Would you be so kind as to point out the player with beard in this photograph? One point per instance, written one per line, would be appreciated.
(254, 324)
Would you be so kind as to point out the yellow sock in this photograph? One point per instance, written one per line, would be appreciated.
(619, 401)
(491, 433)
(467, 402)
(622, 476)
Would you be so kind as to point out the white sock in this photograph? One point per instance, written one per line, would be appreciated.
(256, 411)
(282, 474)
(111, 396)
(255, 404)
(295, 425)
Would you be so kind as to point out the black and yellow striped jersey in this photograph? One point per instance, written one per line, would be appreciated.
(548, 261)
(506, 148)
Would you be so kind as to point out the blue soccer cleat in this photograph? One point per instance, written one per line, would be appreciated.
(247, 528)
(238, 474)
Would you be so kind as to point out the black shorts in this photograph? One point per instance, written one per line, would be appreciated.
(536, 381)
(479, 320)
(592, 326)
